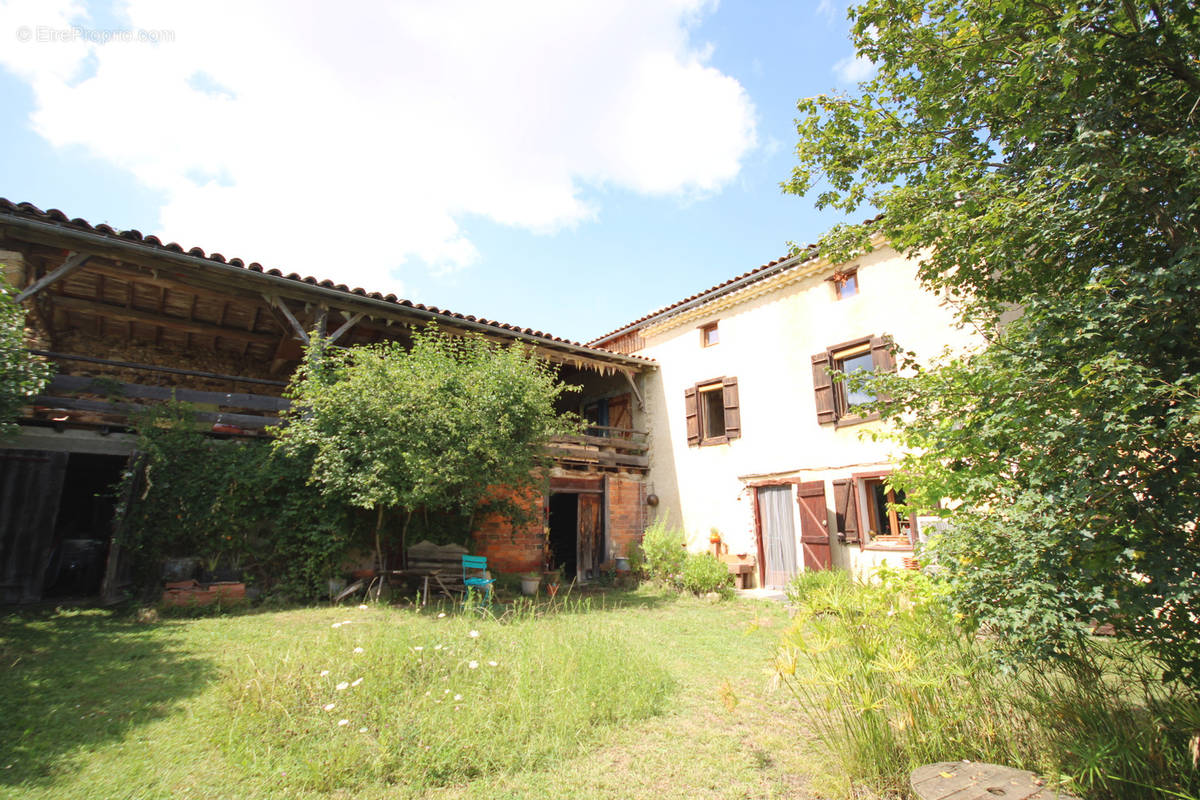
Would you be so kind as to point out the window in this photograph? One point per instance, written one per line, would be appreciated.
(836, 401)
(868, 498)
(712, 412)
(884, 524)
(709, 335)
(845, 284)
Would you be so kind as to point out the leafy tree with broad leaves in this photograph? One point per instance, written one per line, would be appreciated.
(452, 423)
(1041, 159)
(21, 376)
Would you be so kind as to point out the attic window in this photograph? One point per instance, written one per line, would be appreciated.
(709, 335)
(845, 284)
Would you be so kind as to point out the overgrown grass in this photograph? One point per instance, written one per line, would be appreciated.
(627, 694)
(891, 683)
(382, 697)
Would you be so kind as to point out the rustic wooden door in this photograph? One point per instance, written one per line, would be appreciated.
(31, 483)
(591, 535)
(814, 525)
(777, 533)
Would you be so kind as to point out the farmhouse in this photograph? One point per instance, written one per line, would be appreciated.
(128, 319)
(718, 410)
(751, 439)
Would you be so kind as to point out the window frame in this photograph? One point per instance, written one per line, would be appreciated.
(706, 329)
(832, 403)
(696, 413)
(861, 483)
(839, 280)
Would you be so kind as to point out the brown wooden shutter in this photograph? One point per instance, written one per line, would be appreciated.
(823, 388)
(814, 525)
(733, 414)
(689, 411)
(847, 510)
(881, 354)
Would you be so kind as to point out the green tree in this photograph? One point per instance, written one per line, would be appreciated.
(439, 426)
(21, 376)
(1042, 157)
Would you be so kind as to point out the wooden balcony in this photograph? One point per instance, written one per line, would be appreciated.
(604, 446)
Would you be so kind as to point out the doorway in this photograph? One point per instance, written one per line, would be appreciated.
(577, 533)
(776, 535)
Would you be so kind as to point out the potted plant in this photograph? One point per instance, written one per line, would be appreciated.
(529, 583)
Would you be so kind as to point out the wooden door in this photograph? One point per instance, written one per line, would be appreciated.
(777, 535)
(814, 525)
(31, 484)
(591, 535)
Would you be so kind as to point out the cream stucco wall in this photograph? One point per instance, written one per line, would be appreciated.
(768, 332)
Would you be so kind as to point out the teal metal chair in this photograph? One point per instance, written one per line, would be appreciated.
(474, 568)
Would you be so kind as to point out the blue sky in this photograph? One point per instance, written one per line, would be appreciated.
(566, 166)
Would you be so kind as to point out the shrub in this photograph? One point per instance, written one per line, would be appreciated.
(704, 572)
(890, 682)
(662, 546)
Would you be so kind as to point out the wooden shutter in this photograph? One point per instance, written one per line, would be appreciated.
(823, 388)
(620, 415)
(814, 525)
(881, 354)
(733, 414)
(847, 510)
(689, 411)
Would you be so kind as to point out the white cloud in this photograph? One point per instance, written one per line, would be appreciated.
(342, 145)
(853, 69)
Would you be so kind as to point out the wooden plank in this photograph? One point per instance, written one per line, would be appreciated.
(603, 442)
(124, 409)
(154, 368)
(81, 383)
(73, 262)
(593, 456)
(124, 314)
(347, 325)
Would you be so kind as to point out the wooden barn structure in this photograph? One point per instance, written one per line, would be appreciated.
(129, 320)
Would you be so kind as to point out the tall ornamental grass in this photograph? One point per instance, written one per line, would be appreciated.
(426, 701)
(891, 682)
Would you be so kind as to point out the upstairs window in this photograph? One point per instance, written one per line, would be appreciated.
(709, 335)
(845, 284)
(712, 412)
(836, 402)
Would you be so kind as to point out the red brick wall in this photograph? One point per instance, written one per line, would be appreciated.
(626, 514)
(509, 548)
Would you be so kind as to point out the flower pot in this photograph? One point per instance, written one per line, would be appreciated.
(529, 584)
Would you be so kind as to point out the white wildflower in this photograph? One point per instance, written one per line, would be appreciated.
(441, 615)
(437, 647)
(458, 697)
(363, 607)
(362, 730)
(342, 685)
(330, 706)
(343, 722)
(356, 682)
(324, 672)
(418, 648)
(336, 625)
(493, 664)
(474, 634)
(358, 650)
(473, 665)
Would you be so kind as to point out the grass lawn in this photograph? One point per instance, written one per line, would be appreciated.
(634, 694)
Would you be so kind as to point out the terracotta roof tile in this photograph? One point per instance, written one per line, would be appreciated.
(57, 217)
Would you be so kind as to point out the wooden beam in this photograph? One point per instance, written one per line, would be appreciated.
(63, 385)
(347, 325)
(124, 409)
(153, 368)
(124, 314)
(276, 302)
(636, 393)
(74, 261)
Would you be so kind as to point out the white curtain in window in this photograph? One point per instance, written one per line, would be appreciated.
(779, 534)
